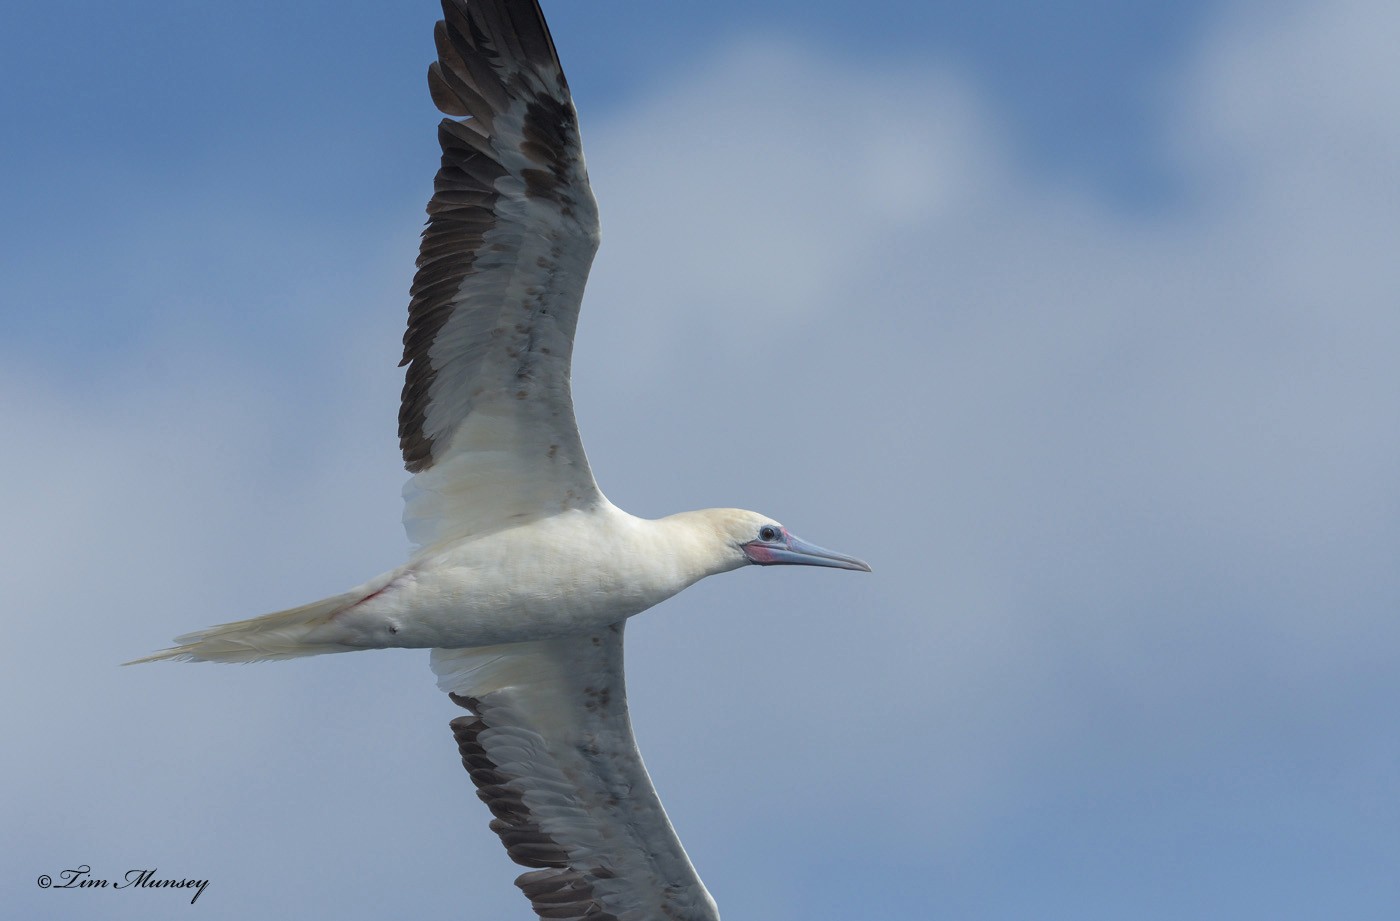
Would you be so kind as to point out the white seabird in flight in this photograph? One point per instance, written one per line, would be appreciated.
(525, 573)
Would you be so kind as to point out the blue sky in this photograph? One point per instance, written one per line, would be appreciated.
(1086, 325)
(134, 101)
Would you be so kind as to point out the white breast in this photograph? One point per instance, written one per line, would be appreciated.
(569, 573)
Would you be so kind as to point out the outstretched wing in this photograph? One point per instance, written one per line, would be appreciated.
(549, 746)
(487, 420)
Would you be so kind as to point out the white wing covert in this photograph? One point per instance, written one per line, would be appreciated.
(550, 749)
(486, 423)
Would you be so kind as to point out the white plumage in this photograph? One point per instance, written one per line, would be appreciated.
(525, 573)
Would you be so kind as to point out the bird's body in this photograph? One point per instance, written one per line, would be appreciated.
(525, 573)
(569, 573)
(572, 572)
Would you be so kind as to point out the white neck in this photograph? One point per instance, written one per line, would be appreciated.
(679, 550)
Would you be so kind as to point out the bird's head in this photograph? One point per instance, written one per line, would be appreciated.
(764, 542)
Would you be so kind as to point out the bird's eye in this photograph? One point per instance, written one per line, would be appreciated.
(768, 532)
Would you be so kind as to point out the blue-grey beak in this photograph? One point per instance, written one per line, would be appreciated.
(789, 550)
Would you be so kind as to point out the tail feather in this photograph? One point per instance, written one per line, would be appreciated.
(281, 635)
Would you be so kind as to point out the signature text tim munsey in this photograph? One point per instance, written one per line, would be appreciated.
(82, 878)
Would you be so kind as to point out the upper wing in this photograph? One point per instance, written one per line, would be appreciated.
(487, 420)
(550, 750)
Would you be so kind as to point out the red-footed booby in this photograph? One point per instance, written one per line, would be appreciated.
(525, 573)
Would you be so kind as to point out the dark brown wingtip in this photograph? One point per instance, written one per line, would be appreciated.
(466, 703)
(444, 98)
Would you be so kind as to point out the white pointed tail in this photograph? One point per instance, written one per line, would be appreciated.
(281, 635)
